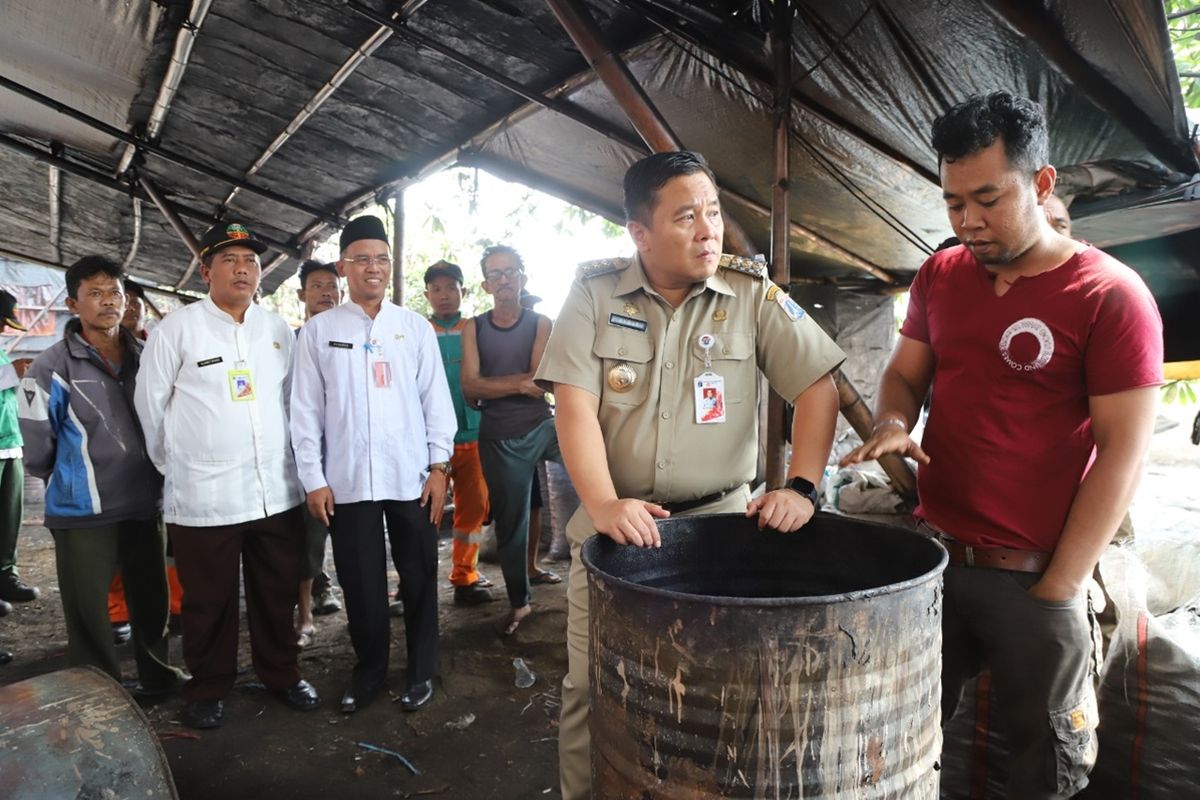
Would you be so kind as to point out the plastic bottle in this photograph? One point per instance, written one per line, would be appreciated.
(525, 678)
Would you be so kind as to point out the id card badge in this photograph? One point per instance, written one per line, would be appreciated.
(709, 391)
(241, 385)
(383, 374)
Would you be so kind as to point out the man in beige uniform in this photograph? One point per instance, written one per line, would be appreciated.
(644, 349)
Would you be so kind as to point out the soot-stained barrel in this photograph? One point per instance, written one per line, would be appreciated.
(740, 663)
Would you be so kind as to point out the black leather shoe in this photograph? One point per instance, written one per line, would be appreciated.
(417, 696)
(357, 698)
(122, 633)
(5, 608)
(472, 595)
(5, 656)
(302, 696)
(12, 590)
(204, 714)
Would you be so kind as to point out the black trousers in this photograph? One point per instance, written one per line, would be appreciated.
(358, 553)
(207, 560)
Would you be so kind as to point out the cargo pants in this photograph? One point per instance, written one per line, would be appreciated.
(1039, 652)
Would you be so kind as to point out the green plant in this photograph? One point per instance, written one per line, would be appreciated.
(1182, 392)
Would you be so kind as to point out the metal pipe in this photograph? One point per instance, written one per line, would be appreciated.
(189, 29)
(187, 273)
(136, 202)
(272, 265)
(610, 68)
(55, 215)
(863, 421)
(398, 247)
(775, 469)
(162, 152)
(1045, 31)
(181, 230)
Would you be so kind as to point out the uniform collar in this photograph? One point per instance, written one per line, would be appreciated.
(213, 309)
(634, 278)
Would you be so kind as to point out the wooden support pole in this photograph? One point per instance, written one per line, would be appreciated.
(398, 248)
(863, 421)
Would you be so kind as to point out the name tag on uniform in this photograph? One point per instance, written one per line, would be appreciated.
(342, 345)
(208, 362)
(241, 385)
(710, 399)
(383, 374)
(622, 321)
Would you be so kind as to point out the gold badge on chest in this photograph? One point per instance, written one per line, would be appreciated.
(621, 377)
(631, 309)
(720, 315)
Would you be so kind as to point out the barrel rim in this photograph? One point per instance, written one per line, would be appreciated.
(593, 571)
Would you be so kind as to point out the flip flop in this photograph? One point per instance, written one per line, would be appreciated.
(546, 577)
(483, 581)
(305, 637)
(508, 626)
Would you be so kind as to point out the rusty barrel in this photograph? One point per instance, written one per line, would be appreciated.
(76, 734)
(740, 663)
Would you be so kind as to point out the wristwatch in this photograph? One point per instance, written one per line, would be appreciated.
(442, 467)
(805, 488)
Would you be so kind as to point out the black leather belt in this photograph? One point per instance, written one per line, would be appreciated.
(688, 505)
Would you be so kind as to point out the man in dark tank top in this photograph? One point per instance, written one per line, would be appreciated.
(501, 352)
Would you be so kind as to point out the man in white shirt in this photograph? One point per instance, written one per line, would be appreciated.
(373, 429)
(212, 398)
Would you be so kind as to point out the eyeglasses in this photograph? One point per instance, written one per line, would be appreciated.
(503, 274)
(366, 261)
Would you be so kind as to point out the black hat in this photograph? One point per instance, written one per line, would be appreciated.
(362, 228)
(228, 234)
(8, 311)
(444, 269)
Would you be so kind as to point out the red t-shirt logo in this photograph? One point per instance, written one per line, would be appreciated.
(1027, 344)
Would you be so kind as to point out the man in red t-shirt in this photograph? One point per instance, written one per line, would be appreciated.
(1044, 355)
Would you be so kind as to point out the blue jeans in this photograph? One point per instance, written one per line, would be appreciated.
(508, 466)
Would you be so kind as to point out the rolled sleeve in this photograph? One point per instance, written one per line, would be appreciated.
(792, 353)
(568, 357)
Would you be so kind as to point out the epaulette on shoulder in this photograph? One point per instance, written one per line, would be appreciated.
(601, 266)
(744, 265)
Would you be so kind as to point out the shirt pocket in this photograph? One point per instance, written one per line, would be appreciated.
(732, 356)
(626, 360)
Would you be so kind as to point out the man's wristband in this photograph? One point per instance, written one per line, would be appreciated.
(899, 423)
(805, 488)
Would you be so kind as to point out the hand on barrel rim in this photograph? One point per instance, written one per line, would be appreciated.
(630, 521)
(783, 510)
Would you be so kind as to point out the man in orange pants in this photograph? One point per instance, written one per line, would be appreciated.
(134, 321)
(444, 290)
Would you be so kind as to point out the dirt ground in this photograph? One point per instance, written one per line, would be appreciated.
(480, 737)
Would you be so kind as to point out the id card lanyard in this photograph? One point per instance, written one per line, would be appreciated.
(708, 387)
(241, 382)
(381, 369)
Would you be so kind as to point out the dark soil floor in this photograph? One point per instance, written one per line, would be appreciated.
(480, 737)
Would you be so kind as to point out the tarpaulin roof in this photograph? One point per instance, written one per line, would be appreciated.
(317, 110)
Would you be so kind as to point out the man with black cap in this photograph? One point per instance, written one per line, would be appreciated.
(212, 397)
(12, 475)
(373, 430)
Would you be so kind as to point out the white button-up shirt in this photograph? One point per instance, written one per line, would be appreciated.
(212, 398)
(371, 409)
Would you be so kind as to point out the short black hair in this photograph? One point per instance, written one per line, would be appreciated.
(310, 266)
(646, 177)
(134, 289)
(500, 249)
(974, 125)
(88, 267)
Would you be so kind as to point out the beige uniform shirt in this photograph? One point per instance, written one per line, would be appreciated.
(656, 449)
